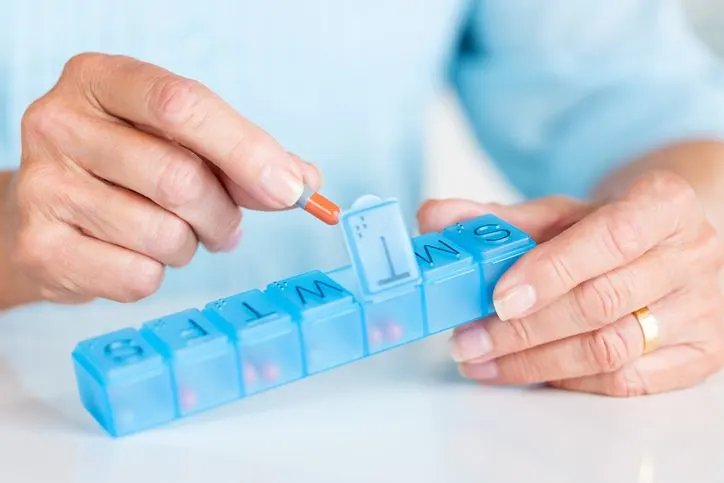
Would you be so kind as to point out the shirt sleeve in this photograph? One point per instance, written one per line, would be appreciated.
(561, 92)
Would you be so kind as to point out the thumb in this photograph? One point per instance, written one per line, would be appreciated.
(542, 219)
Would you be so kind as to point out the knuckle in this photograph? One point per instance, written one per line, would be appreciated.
(557, 265)
(177, 101)
(144, 282)
(674, 188)
(674, 196)
(81, 63)
(521, 332)
(622, 231)
(36, 180)
(669, 187)
(172, 235)
(607, 348)
(41, 117)
(181, 182)
(628, 382)
(600, 300)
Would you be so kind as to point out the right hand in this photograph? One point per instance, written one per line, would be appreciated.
(125, 168)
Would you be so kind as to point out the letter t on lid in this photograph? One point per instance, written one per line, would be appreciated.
(379, 246)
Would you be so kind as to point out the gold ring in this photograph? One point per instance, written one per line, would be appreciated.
(649, 327)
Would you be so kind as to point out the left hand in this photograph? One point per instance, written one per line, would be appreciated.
(564, 310)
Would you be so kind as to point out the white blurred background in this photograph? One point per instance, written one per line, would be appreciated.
(450, 139)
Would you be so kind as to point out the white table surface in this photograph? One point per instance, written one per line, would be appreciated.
(402, 416)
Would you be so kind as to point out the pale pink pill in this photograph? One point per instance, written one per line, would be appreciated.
(189, 400)
(376, 336)
(394, 332)
(250, 375)
(270, 372)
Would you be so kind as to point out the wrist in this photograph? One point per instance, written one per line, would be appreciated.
(15, 288)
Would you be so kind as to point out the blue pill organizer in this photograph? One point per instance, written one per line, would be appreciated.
(396, 290)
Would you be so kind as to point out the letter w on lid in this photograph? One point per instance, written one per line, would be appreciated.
(328, 315)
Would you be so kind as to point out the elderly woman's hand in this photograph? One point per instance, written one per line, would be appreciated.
(126, 168)
(566, 309)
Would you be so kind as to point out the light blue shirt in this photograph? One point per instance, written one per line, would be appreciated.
(559, 92)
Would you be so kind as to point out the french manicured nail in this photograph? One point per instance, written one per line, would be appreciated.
(514, 302)
(281, 184)
(233, 242)
(471, 344)
(484, 371)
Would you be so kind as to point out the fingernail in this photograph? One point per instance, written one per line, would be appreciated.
(233, 242)
(486, 370)
(470, 344)
(311, 175)
(514, 302)
(281, 185)
(316, 177)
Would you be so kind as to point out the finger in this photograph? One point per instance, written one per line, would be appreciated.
(70, 265)
(187, 112)
(589, 306)
(607, 349)
(612, 236)
(311, 174)
(667, 369)
(117, 216)
(541, 219)
(169, 175)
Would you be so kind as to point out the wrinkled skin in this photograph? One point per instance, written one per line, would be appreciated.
(565, 308)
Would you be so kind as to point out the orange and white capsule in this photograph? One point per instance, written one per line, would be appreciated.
(318, 206)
